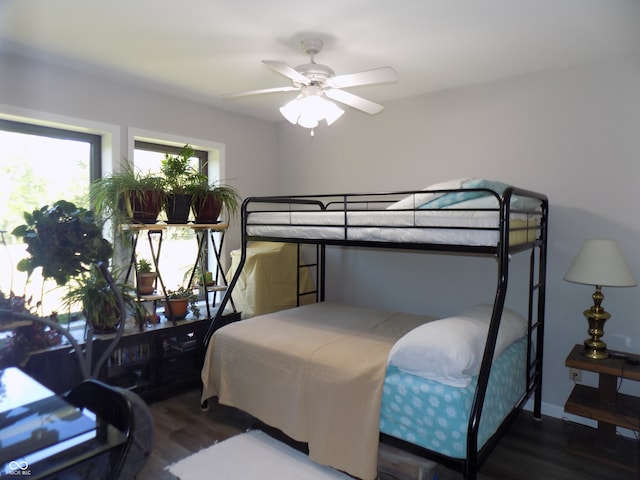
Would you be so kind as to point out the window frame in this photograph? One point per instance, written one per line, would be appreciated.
(201, 155)
(94, 140)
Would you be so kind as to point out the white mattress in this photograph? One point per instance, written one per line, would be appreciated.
(447, 227)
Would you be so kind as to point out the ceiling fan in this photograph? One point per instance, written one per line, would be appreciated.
(316, 83)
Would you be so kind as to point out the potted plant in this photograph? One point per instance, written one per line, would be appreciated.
(211, 200)
(145, 277)
(26, 336)
(128, 196)
(67, 243)
(180, 180)
(206, 279)
(100, 305)
(179, 302)
(62, 239)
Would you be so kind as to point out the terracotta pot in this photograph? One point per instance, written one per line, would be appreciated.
(178, 310)
(146, 283)
(207, 209)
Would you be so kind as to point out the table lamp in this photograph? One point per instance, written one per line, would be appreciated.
(599, 263)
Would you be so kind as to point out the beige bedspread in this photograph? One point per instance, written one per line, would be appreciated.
(315, 372)
(269, 279)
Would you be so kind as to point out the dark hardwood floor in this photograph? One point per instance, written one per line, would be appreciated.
(530, 451)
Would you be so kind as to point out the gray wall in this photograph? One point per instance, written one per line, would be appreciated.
(573, 134)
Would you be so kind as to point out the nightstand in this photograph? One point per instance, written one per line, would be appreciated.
(608, 407)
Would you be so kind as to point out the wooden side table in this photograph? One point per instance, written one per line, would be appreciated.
(608, 407)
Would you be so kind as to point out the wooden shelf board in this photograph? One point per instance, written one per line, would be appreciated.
(607, 366)
(625, 412)
(157, 227)
(150, 297)
(216, 288)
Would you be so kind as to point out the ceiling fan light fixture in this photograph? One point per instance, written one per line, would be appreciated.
(308, 110)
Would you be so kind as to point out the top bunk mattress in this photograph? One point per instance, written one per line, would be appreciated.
(460, 227)
(465, 212)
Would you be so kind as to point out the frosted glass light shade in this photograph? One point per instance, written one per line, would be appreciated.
(308, 111)
(600, 262)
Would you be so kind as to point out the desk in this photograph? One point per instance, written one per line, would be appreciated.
(41, 434)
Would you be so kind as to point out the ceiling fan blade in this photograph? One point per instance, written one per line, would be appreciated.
(377, 75)
(230, 96)
(289, 72)
(354, 101)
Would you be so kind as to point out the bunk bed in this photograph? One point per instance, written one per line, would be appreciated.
(342, 378)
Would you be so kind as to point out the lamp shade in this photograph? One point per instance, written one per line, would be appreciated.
(600, 262)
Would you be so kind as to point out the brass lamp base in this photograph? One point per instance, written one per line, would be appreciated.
(596, 316)
(596, 350)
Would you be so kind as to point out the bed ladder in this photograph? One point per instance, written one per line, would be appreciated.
(316, 263)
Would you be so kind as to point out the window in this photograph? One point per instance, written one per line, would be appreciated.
(40, 165)
(148, 156)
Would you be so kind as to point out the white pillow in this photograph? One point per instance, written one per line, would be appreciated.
(414, 201)
(489, 201)
(450, 350)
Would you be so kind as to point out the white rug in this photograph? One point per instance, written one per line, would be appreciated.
(252, 455)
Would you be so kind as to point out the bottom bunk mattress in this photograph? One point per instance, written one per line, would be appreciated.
(319, 373)
(435, 416)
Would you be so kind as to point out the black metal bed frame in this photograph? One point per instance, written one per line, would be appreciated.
(501, 252)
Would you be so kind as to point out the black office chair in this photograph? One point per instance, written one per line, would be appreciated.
(126, 411)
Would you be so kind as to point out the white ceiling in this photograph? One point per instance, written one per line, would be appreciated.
(201, 49)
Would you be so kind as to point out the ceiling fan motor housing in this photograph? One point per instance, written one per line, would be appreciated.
(315, 72)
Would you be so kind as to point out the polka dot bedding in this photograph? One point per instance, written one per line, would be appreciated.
(435, 416)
